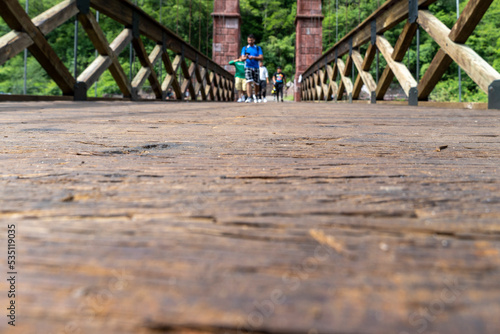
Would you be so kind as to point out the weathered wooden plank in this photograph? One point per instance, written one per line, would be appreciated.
(226, 212)
(17, 19)
(482, 73)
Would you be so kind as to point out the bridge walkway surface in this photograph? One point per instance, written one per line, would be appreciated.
(245, 218)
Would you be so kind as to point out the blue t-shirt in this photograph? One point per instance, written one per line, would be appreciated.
(253, 51)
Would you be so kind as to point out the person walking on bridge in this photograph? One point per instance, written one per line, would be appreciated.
(252, 54)
(279, 80)
(263, 81)
(239, 75)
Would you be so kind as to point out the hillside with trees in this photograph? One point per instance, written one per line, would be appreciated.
(272, 21)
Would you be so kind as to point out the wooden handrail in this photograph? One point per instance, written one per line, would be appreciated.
(391, 13)
(201, 76)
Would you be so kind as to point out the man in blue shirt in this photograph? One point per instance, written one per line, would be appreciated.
(252, 54)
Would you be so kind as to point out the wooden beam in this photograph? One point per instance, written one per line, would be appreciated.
(187, 84)
(468, 20)
(460, 32)
(209, 88)
(203, 83)
(403, 75)
(482, 73)
(140, 51)
(171, 78)
(345, 82)
(123, 12)
(434, 73)
(146, 72)
(12, 43)
(98, 39)
(94, 71)
(17, 19)
(388, 15)
(366, 77)
(16, 41)
(397, 54)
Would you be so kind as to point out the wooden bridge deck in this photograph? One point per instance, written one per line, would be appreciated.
(236, 218)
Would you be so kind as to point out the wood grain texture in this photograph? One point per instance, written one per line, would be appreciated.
(16, 41)
(401, 72)
(460, 32)
(17, 19)
(270, 218)
(482, 73)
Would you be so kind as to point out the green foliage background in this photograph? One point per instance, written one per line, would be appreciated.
(272, 21)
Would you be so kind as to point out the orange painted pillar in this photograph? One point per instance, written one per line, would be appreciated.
(309, 38)
(227, 31)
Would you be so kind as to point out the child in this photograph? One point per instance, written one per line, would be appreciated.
(279, 80)
(240, 81)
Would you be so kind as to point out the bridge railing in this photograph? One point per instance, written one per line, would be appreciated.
(319, 81)
(189, 71)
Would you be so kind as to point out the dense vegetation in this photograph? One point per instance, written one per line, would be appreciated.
(272, 21)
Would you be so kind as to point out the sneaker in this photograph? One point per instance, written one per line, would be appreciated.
(240, 100)
(249, 100)
(254, 97)
(259, 100)
(264, 100)
(281, 100)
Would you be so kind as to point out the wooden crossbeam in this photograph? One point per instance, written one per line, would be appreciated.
(394, 57)
(462, 29)
(322, 83)
(332, 85)
(345, 81)
(209, 91)
(108, 55)
(17, 19)
(389, 14)
(124, 13)
(363, 75)
(187, 84)
(171, 77)
(16, 41)
(403, 75)
(202, 83)
(215, 89)
(141, 53)
(146, 71)
(482, 73)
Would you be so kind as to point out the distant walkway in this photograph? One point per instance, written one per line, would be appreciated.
(238, 218)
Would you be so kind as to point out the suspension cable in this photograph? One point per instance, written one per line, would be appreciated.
(199, 25)
(190, 19)
(459, 70)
